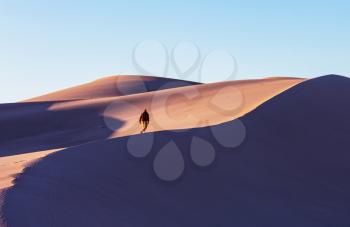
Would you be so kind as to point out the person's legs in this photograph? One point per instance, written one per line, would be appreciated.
(144, 125)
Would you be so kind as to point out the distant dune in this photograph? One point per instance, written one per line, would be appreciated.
(92, 177)
(110, 87)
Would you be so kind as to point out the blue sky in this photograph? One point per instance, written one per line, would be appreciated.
(49, 45)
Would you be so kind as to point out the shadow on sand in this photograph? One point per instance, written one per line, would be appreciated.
(29, 127)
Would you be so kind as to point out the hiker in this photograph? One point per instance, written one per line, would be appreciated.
(144, 120)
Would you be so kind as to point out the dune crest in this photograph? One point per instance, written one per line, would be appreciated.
(109, 87)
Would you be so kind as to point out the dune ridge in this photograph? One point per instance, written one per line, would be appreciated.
(110, 86)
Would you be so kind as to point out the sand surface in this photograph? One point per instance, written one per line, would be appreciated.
(50, 125)
(10, 166)
(285, 163)
(98, 111)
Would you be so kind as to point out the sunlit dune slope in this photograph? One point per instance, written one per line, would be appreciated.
(183, 107)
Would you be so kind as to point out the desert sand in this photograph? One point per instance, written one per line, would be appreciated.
(11, 165)
(93, 114)
(35, 129)
(285, 163)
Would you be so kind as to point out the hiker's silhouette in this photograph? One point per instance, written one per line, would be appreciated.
(144, 120)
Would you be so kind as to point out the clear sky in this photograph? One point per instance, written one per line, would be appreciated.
(49, 45)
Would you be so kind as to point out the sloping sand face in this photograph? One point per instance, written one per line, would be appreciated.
(47, 126)
(289, 171)
(10, 166)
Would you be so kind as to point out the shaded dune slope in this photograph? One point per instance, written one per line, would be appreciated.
(36, 125)
(32, 127)
(291, 170)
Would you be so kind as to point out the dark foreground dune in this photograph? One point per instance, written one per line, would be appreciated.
(284, 164)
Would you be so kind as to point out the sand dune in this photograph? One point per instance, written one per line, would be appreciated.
(95, 112)
(50, 125)
(109, 87)
(290, 169)
(40, 127)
